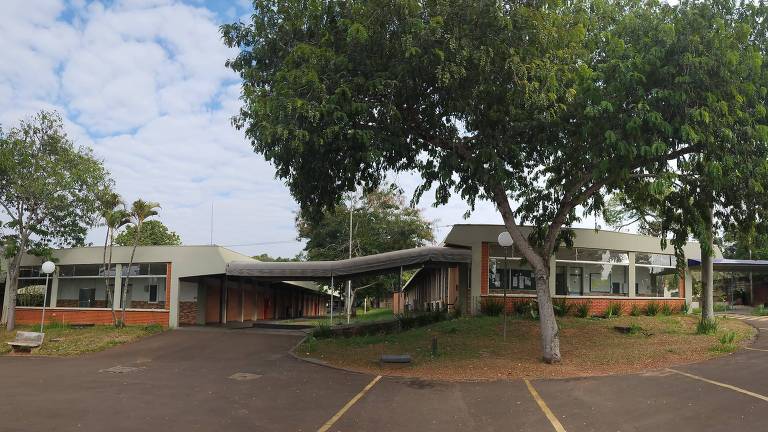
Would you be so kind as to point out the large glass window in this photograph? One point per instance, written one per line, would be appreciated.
(597, 272)
(32, 288)
(656, 275)
(145, 292)
(515, 275)
(85, 285)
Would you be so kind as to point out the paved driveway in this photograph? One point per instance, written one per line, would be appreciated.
(182, 382)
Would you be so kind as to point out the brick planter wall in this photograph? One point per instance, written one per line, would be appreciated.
(597, 306)
(84, 316)
(187, 312)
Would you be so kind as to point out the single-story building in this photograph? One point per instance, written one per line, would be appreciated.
(168, 285)
(602, 267)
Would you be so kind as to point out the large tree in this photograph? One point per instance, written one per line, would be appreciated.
(539, 107)
(153, 233)
(382, 221)
(49, 191)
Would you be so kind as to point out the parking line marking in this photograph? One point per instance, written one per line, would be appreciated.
(349, 404)
(543, 405)
(755, 349)
(728, 386)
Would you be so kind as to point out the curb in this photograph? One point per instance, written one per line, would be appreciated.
(318, 362)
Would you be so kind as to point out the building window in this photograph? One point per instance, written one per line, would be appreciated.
(514, 275)
(32, 288)
(653, 281)
(87, 297)
(153, 293)
(597, 272)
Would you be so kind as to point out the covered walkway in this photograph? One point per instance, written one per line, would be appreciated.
(739, 281)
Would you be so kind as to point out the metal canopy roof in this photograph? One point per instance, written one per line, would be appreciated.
(366, 265)
(734, 265)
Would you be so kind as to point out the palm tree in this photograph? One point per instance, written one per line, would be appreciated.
(109, 200)
(113, 220)
(140, 211)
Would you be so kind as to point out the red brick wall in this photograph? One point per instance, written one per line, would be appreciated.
(188, 312)
(81, 316)
(484, 269)
(596, 305)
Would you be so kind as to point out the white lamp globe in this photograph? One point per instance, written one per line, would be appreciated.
(48, 267)
(505, 239)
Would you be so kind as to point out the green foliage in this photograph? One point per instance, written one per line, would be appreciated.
(153, 233)
(561, 306)
(635, 310)
(614, 309)
(760, 310)
(727, 338)
(582, 309)
(727, 344)
(492, 307)
(666, 309)
(49, 191)
(652, 308)
(322, 331)
(420, 319)
(635, 328)
(685, 308)
(706, 326)
(720, 307)
(267, 258)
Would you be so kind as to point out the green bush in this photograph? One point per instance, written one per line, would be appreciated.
(727, 338)
(685, 307)
(696, 311)
(635, 311)
(760, 311)
(666, 309)
(726, 343)
(322, 331)
(561, 307)
(635, 328)
(491, 307)
(720, 307)
(521, 307)
(420, 319)
(582, 309)
(151, 328)
(614, 309)
(706, 327)
(652, 309)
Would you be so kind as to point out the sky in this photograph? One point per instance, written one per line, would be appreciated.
(143, 83)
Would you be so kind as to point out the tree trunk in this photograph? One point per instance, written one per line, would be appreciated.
(128, 277)
(13, 288)
(707, 269)
(105, 269)
(109, 266)
(550, 333)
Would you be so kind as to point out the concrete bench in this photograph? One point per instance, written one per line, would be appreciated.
(25, 341)
(390, 358)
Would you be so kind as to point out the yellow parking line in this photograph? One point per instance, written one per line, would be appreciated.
(349, 404)
(547, 412)
(728, 386)
(755, 349)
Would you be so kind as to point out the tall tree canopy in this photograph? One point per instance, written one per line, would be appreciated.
(49, 192)
(153, 233)
(539, 107)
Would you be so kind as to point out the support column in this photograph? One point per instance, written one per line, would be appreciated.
(632, 290)
(242, 300)
(117, 294)
(224, 300)
(55, 289)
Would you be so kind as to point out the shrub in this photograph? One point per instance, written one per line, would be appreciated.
(613, 309)
(684, 308)
(666, 309)
(696, 311)
(760, 311)
(582, 309)
(720, 307)
(635, 328)
(522, 307)
(635, 311)
(652, 309)
(151, 328)
(322, 331)
(727, 338)
(706, 327)
(562, 307)
(491, 307)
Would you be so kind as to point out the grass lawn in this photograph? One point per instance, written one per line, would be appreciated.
(340, 317)
(67, 341)
(473, 348)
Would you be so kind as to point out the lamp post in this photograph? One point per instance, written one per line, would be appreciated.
(505, 241)
(47, 268)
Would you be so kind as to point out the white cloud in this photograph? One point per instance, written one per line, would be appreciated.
(143, 83)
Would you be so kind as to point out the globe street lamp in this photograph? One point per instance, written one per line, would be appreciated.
(505, 241)
(47, 268)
